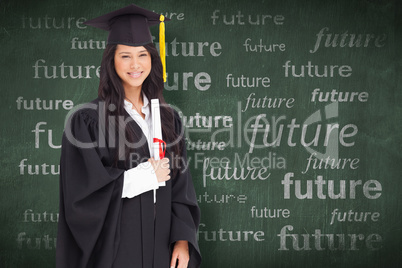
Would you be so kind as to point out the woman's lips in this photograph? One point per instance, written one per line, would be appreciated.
(135, 74)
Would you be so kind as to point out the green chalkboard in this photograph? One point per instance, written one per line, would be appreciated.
(293, 121)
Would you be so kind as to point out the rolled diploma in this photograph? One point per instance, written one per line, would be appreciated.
(157, 129)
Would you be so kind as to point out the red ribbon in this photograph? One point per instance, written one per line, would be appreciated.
(162, 149)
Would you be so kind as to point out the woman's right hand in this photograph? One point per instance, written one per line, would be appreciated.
(162, 168)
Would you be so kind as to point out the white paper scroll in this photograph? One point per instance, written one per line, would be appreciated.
(157, 130)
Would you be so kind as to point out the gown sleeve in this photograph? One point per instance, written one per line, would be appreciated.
(185, 210)
(90, 197)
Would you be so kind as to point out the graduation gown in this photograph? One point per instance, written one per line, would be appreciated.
(97, 227)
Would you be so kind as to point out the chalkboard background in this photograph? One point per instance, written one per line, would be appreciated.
(266, 204)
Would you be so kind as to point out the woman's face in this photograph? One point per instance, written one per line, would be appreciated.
(132, 65)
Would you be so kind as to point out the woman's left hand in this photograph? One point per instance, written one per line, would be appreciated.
(181, 254)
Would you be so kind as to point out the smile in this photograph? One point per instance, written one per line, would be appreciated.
(135, 75)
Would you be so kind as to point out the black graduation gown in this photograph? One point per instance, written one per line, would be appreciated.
(98, 228)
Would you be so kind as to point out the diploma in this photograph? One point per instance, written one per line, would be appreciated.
(158, 146)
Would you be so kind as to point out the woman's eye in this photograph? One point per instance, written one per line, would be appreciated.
(143, 55)
(125, 57)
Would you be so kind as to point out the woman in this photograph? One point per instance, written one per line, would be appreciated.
(113, 210)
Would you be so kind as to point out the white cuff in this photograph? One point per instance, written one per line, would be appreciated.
(139, 180)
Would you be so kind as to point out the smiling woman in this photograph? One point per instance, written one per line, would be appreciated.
(132, 65)
(116, 211)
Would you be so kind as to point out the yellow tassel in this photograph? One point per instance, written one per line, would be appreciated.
(162, 45)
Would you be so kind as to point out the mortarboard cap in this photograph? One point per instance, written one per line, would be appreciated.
(130, 26)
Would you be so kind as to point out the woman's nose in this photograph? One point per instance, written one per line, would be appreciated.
(134, 64)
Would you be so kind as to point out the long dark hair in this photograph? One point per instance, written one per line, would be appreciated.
(111, 91)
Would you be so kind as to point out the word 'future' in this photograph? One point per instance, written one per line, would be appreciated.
(316, 71)
(371, 189)
(238, 19)
(348, 40)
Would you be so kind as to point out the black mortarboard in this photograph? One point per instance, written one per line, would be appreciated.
(130, 26)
